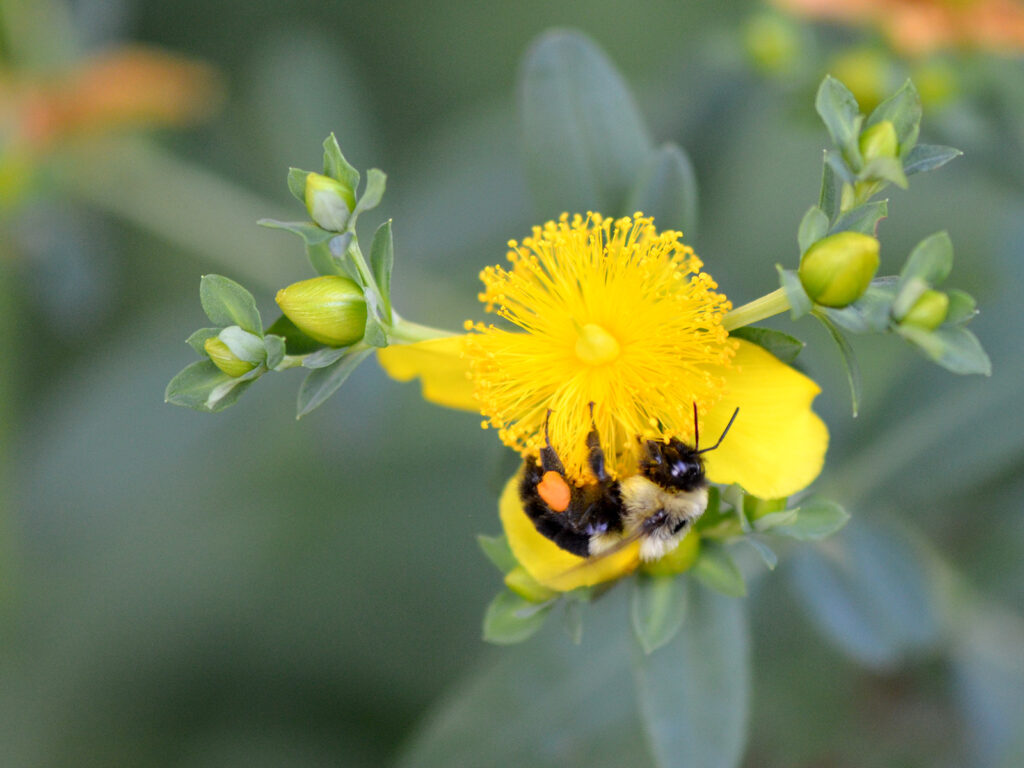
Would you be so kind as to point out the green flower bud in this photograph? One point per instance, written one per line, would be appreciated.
(329, 309)
(879, 141)
(929, 311)
(225, 359)
(528, 588)
(836, 270)
(329, 202)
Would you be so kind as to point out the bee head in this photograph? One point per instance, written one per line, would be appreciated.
(674, 465)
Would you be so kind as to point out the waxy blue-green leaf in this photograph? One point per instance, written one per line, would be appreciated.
(962, 307)
(336, 166)
(226, 302)
(864, 218)
(871, 312)
(382, 260)
(838, 109)
(813, 227)
(322, 358)
(785, 347)
(657, 609)
(275, 347)
(952, 346)
(198, 339)
(799, 302)
(583, 135)
(297, 184)
(202, 386)
(868, 590)
(814, 519)
(931, 261)
(324, 382)
(849, 359)
(497, 550)
(903, 110)
(828, 198)
(315, 239)
(572, 620)
(666, 189)
(512, 619)
(715, 568)
(885, 169)
(928, 157)
(376, 181)
(694, 693)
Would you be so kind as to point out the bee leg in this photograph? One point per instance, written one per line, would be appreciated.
(549, 460)
(596, 456)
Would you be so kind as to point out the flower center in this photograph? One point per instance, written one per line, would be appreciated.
(595, 345)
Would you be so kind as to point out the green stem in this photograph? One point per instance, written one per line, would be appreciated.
(769, 305)
(408, 332)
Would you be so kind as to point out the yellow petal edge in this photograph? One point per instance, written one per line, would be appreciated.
(440, 366)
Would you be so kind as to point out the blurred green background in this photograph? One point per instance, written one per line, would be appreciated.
(180, 589)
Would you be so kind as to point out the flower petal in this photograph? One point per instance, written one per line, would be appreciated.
(777, 444)
(440, 366)
(549, 564)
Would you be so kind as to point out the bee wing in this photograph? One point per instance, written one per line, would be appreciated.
(617, 547)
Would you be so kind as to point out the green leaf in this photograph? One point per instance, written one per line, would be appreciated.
(694, 694)
(666, 189)
(202, 386)
(324, 382)
(275, 348)
(324, 357)
(225, 302)
(834, 160)
(376, 181)
(903, 110)
(773, 520)
(799, 302)
(839, 111)
(931, 261)
(816, 518)
(871, 313)
(885, 169)
(863, 218)
(572, 620)
(296, 342)
(962, 307)
(336, 166)
(869, 591)
(583, 135)
(512, 619)
(928, 157)
(716, 569)
(953, 347)
(785, 347)
(198, 339)
(813, 227)
(382, 259)
(315, 239)
(297, 184)
(657, 609)
(243, 345)
(849, 359)
(766, 553)
(497, 550)
(828, 199)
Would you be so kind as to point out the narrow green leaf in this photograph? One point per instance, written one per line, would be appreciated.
(572, 620)
(785, 347)
(297, 184)
(198, 339)
(774, 520)
(838, 109)
(863, 218)
(931, 261)
(962, 307)
(512, 619)
(885, 169)
(928, 157)
(953, 347)
(849, 359)
(765, 552)
(227, 394)
(382, 259)
(694, 694)
(816, 518)
(813, 227)
(828, 199)
(310, 233)
(275, 346)
(324, 382)
(226, 302)
(871, 313)
(869, 590)
(376, 181)
(903, 110)
(583, 135)
(324, 357)
(657, 609)
(716, 569)
(799, 302)
(296, 342)
(336, 166)
(834, 160)
(666, 188)
(497, 551)
(202, 386)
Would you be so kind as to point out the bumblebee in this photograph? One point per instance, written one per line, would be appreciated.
(657, 506)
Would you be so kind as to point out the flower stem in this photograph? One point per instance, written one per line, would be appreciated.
(770, 304)
(407, 332)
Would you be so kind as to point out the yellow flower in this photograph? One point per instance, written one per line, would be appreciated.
(612, 312)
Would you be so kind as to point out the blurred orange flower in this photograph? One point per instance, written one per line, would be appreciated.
(922, 26)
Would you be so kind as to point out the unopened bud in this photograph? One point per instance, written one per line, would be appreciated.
(879, 141)
(837, 270)
(527, 587)
(929, 311)
(329, 202)
(222, 356)
(329, 309)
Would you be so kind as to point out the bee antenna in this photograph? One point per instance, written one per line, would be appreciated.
(696, 431)
(547, 418)
(724, 433)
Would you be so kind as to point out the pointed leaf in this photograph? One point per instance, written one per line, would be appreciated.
(716, 569)
(828, 199)
(275, 347)
(785, 347)
(799, 302)
(297, 184)
(512, 619)
(198, 339)
(324, 382)
(928, 157)
(962, 307)
(584, 137)
(336, 166)
(838, 109)
(382, 259)
(202, 386)
(849, 360)
(813, 227)
(376, 181)
(226, 302)
(903, 110)
(931, 261)
(497, 550)
(863, 218)
(666, 189)
(816, 518)
(953, 347)
(657, 609)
